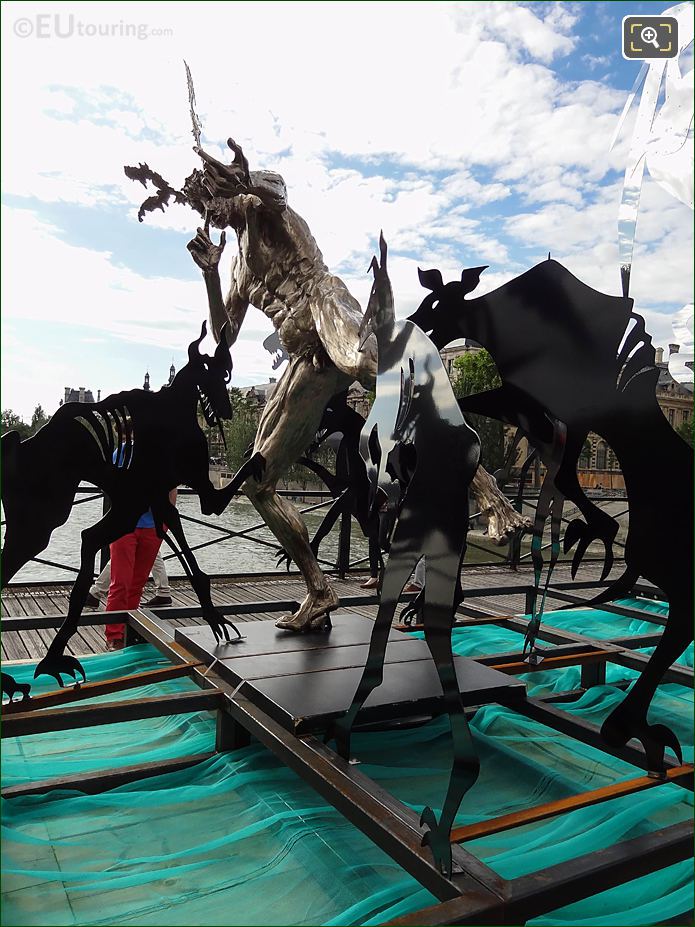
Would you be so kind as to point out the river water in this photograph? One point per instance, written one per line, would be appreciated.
(231, 555)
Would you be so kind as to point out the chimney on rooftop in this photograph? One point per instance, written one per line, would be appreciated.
(659, 355)
(673, 349)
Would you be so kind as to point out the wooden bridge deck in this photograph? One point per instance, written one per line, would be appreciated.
(52, 598)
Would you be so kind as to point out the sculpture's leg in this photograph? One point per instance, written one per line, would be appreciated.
(598, 525)
(339, 507)
(34, 506)
(113, 525)
(287, 427)
(438, 617)
(168, 514)
(401, 563)
(550, 505)
(629, 719)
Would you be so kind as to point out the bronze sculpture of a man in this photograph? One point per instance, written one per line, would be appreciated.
(280, 270)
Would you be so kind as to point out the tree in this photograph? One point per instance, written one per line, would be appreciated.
(38, 419)
(687, 432)
(12, 422)
(240, 432)
(475, 372)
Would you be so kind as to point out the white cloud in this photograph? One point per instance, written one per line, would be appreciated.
(455, 107)
(584, 239)
(524, 30)
(435, 87)
(53, 281)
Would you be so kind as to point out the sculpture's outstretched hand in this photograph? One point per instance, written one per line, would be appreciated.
(204, 251)
(225, 180)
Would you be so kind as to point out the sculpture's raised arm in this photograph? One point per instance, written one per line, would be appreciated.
(230, 311)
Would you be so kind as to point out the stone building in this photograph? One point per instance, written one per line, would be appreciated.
(259, 392)
(359, 399)
(676, 400)
(172, 373)
(453, 351)
(79, 395)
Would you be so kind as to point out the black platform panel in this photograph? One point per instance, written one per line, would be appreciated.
(262, 637)
(305, 681)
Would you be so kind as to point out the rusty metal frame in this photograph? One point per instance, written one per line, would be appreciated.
(475, 893)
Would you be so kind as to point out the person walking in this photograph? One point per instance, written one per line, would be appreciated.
(132, 557)
(416, 582)
(99, 591)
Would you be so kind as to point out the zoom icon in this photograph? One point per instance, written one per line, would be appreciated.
(650, 37)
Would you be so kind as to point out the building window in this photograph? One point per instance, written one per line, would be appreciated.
(686, 415)
(601, 456)
(670, 416)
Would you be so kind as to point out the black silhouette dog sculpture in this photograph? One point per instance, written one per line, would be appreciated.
(420, 452)
(136, 446)
(573, 360)
(535, 327)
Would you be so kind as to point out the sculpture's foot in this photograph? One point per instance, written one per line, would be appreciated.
(412, 613)
(438, 839)
(620, 727)
(504, 523)
(534, 655)
(220, 625)
(580, 531)
(10, 687)
(312, 614)
(57, 665)
(340, 731)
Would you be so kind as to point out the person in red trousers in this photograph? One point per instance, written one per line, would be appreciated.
(132, 557)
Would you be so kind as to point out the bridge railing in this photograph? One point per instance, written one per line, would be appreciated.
(480, 551)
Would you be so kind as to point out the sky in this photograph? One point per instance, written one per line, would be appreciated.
(471, 133)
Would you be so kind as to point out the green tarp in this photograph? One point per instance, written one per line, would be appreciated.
(239, 839)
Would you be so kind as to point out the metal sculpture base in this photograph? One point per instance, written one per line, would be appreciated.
(307, 681)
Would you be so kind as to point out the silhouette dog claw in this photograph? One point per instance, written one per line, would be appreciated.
(10, 686)
(58, 665)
